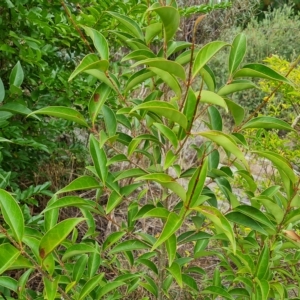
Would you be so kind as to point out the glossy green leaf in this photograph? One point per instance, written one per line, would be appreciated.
(114, 200)
(129, 245)
(274, 209)
(236, 86)
(256, 215)
(280, 163)
(172, 224)
(78, 249)
(190, 282)
(130, 25)
(267, 122)
(107, 78)
(137, 78)
(8, 254)
(166, 181)
(2, 91)
(157, 212)
(196, 185)
(239, 292)
(139, 55)
(169, 159)
(21, 284)
(212, 98)
(163, 109)
(50, 288)
(97, 100)
(90, 285)
(248, 178)
(130, 173)
(168, 133)
(94, 261)
(117, 158)
(136, 44)
(189, 110)
(215, 118)
(99, 41)
(263, 288)
(170, 18)
(171, 246)
(69, 201)
(208, 77)
(81, 183)
(62, 112)
(16, 108)
(262, 267)
(295, 201)
(217, 291)
(169, 79)
(21, 263)
(79, 268)
(292, 217)
(237, 52)
(220, 222)
(16, 76)
(169, 66)
(9, 283)
(260, 71)
(56, 235)
(175, 270)
(12, 215)
(86, 61)
(279, 289)
(226, 142)
(108, 287)
(112, 239)
(152, 31)
(205, 54)
(148, 263)
(237, 111)
(109, 120)
(99, 159)
(174, 46)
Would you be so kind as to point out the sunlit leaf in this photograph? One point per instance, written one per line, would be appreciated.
(56, 235)
(226, 142)
(237, 52)
(205, 54)
(62, 112)
(12, 215)
(8, 254)
(164, 109)
(169, 66)
(99, 41)
(97, 100)
(172, 224)
(170, 18)
(267, 122)
(130, 25)
(90, 285)
(81, 183)
(236, 86)
(220, 222)
(17, 75)
(260, 71)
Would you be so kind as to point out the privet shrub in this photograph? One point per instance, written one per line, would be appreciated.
(169, 233)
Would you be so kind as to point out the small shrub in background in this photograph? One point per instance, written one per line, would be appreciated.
(278, 33)
(284, 104)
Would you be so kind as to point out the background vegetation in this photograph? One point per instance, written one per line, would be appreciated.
(136, 160)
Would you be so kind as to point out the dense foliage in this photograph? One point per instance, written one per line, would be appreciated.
(170, 204)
